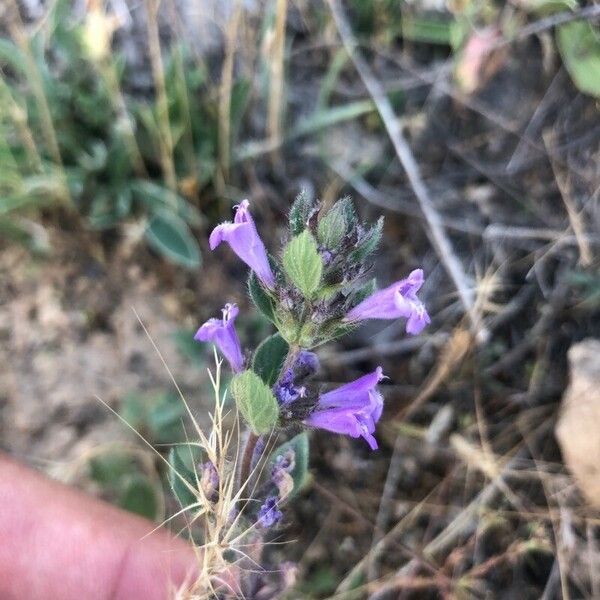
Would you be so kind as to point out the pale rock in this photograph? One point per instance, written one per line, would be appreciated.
(578, 427)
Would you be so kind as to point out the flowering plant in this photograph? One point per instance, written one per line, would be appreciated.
(315, 291)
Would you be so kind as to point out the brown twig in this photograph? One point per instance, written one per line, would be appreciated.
(245, 464)
(575, 216)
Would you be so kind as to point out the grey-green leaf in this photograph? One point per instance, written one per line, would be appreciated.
(369, 243)
(255, 401)
(269, 358)
(181, 478)
(169, 234)
(138, 495)
(302, 263)
(300, 445)
(299, 213)
(579, 46)
(156, 198)
(333, 226)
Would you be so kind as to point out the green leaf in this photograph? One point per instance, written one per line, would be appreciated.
(169, 234)
(334, 225)
(430, 31)
(579, 47)
(300, 211)
(157, 416)
(369, 243)
(329, 291)
(109, 469)
(300, 445)
(269, 358)
(181, 477)
(139, 496)
(347, 205)
(303, 264)
(287, 325)
(165, 420)
(13, 56)
(261, 298)
(157, 198)
(255, 401)
(549, 7)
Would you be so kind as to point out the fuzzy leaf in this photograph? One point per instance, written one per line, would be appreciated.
(369, 243)
(333, 226)
(269, 358)
(329, 291)
(300, 212)
(261, 298)
(300, 445)
(349, 211)
(178, 470)
(303, 264)
(255, 401)
(286, 324)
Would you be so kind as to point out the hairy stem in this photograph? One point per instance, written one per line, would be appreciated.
(245, 462)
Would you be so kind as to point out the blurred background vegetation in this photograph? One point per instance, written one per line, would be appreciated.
(129, 129)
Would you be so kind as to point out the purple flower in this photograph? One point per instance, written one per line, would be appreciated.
(269, 514)
(352, 409)
(281, 471)
(209, 479)
(285, 389)
(221, 332)
(397, 300)
(307, 364)
(244, 240)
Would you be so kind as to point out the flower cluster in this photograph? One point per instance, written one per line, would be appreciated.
(316, 289)
(315, 293)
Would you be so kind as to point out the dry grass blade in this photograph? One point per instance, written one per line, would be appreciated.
(277, 79)
(575, 216)
(452, 354)
(225, 96)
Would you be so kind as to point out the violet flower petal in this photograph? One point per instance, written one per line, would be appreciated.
(243, 238)
(395, 301)
(356, 390)
(268, 514)
(352, 409)
(222, 333)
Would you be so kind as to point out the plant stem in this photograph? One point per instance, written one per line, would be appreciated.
(293, 352)
(245, 462)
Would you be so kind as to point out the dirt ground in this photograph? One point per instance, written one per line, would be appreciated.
(73, 346)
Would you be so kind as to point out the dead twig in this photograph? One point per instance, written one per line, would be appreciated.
(395, 348)
(575, 216)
